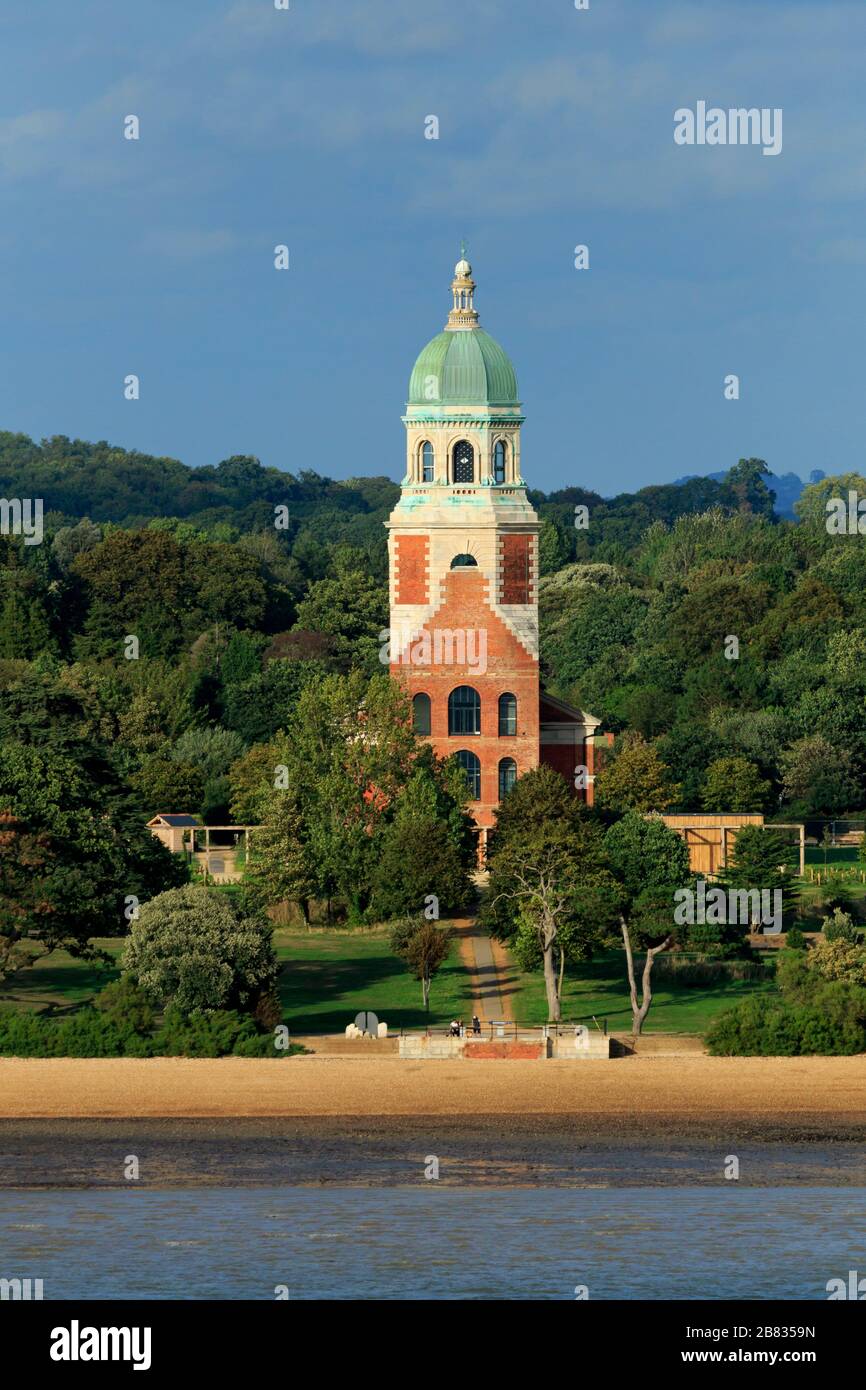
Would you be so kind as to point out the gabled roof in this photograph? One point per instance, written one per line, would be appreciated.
(563, 713)
(163, 819)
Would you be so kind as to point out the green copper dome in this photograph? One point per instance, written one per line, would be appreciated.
(467, 367)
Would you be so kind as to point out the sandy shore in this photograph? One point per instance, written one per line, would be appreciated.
(780, 1091)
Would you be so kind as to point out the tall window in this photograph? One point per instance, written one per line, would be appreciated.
(421, 714)
(472, 767)
(464, 462)
(499, 462)
(507, 776)
(464, 711)
(507, 715)
(427, 462)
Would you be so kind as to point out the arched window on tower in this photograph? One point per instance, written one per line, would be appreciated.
(464, 462)
(507, 715)
(427, 462)
(421, 714)
(499, 462)
(507, 776)
(472, 767)
(464, 711)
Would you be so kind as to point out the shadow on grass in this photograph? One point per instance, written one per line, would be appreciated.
(58, 989)
(599, 989)
(323, 996)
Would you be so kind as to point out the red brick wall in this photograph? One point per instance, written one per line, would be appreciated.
(564, 757)
(523, 1051)
(515, 554)
(509, 668)
(410, 568)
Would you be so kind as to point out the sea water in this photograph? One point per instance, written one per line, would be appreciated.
(424, 1242)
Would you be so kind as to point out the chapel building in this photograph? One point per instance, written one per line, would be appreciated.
(463, 567)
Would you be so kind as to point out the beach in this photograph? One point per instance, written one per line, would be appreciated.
(313, 1120)
(786, 1092)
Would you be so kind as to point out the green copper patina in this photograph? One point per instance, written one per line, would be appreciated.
(463, 367)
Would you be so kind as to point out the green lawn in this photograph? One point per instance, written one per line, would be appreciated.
(841, 877)
(58, 982)
(600, 988)
(842, 854)
(328, 977)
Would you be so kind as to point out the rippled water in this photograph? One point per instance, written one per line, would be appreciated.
(409, 1243)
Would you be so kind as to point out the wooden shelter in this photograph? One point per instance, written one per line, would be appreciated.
(710, 838)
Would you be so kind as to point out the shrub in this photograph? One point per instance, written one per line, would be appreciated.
(87, 1033)
(833, 1023)
(840, 927)
(839, 959)
(188, 947)
(126, 1005)
(701, 973)
(120, 1026)
(216, 1033)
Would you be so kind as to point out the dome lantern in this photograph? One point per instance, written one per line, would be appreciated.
(463, 365)
(463, 312)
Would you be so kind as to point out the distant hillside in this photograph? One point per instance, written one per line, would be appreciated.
(79, 479)
(786, 486)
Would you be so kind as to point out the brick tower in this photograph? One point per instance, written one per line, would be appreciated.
(463, 561)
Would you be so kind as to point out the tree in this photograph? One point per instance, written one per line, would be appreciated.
(539, 795)
(649, 862)
(734, 784)
(71, 541)
(766, 860)
(23, 900)
(554, 549)
(352, 609)
(417, 859)
(212, 750)
(165, 784)
(348, 752)
(280, 867)
(139, 727)
(549, 885)
(189, 948)
(811, 506)
(252, 782)
(745, 488)
(636, 780)
(819, 776)
(72, 851)
(838, 960)
(424, 947)
(259, 707)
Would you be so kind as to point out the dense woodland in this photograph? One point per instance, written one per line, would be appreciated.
(256, 643)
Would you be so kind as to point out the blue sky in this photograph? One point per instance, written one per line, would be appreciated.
(306, 127)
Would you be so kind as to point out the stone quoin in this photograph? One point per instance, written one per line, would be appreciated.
(463, 560)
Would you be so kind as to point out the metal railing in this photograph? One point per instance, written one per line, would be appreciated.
(497, 1030)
